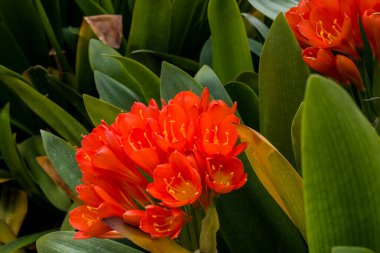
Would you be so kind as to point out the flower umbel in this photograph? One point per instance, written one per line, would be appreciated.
(151, 162)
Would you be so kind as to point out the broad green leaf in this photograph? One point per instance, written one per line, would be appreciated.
(296, 137)
(251, 79)
(181, 62)
(282, 80)
(62, 62)
(12, 55)
(99, 110)
(247, 101)
(22, 242)
(63, 242)
(90, 7)
(205, 57)
(148, 82)
(13, 207)
(276, 174)
(340, 165)
(257, 23)
(62, 155)
(150, 28)
(230, 48)
(271, 8)
(174, 80)
(207, 78)
(348, 249)
(30, 149)
(210, 225)
(142, 239)
(52, 114)
(11, 155)
(255, 47)
(102, 59)
(26, 27)
(114, 92)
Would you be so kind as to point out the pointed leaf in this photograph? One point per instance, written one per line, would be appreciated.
(340, 164)
(64, 242)
(230, 49)
(22, 242)
(62, 155)
(276, 174)
(99, 110)
(52, 114)
(296, 137)
(142, 239)
(282, 84)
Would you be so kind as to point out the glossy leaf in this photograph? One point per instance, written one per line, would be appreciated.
(271, 8)
(114, 92)
(11, 155)
(230, 48)
(99, 110)
(340, 165)
(174, 80)
(150, 28)
(62, 155)
(276, 174)
(22, 242)
(30, 149)
(348, 249)
(52, 114)
(296, 137)
(282, 83)
(64, 242)
(142, 239)
(248, 103)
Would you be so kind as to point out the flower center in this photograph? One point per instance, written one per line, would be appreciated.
(328, 36)
(180, 188)
(138, 139)
(221, 177)
(215, 137)
(170, 133)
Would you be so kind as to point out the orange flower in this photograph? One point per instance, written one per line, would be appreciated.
(161, 222)
(225, 174)
(176, 183)
(326, 24)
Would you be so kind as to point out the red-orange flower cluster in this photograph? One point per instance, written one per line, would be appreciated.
(151, 162)
(329, 33)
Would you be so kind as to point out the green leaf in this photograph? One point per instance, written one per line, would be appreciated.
(11, 155)
(296, 137)
(271, 8)
(247, 101)
(257, 23)
(114, 92)
(230, 48)
(13, 207)
(276, 174)
(150, 28)
(66, 226)
(30, 149)
(22, 242)
(52, 114)
(210, 225)
(348, 249)
(282, 84)
(255, 47)
(340, 165)
(63, 242)
(99, 110)
(174, 80)
(62, 155)
(142, 239)
(205, 57)
(5, 176)
(181, 62)
(251, 79)
(148, 82)
(90, 7)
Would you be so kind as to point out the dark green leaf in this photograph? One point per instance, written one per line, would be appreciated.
(99, 110)
(62, 155)
(206, 54)
(296, 137)
(52, 114)
(340, 165)
(251, 79)
(150, 28)
(282, 83)
(63, 242)
(90, 7)
(13, 207)
(174, 80)
(230, 48)
(22, 242)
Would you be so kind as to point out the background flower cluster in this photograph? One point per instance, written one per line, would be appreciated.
(151, 162)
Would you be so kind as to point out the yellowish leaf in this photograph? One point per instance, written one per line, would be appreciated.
(108, 28)
(277, 175)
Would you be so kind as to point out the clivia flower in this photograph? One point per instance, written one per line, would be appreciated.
(151, 162)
